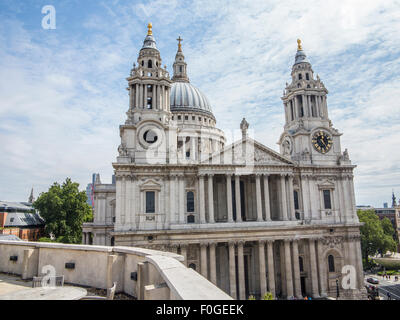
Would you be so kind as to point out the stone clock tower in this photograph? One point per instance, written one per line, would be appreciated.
(148, 134)
(308, 136)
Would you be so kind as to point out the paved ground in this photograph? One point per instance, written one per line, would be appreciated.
(386, 286)
(9, 283)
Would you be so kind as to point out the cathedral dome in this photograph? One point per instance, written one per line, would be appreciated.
(186, 97)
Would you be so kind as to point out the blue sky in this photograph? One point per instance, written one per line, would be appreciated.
(63, 96)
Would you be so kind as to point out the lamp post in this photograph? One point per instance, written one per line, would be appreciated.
(337, 289)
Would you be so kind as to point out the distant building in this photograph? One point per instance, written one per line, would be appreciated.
(20, 219)
(90, 190)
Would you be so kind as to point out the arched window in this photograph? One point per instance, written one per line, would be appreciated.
(193, 266)
(190, 201)
(296, 199)
(307, 76)
(301, 265)
(331, 263)
(300, 76)
(150, 64)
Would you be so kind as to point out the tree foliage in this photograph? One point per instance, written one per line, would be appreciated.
(64, 209)
(376, 235)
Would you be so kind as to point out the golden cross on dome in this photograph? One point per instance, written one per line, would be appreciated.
(179, 43)
(149, 32)
(299, 44)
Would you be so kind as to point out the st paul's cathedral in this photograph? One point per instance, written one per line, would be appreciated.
(249, 219)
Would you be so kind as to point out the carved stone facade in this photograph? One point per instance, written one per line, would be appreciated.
(249, 219)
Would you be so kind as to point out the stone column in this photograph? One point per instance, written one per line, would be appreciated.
(213, 264)
(261, 258)
(291, 198)
(358, 261)
(145, 96)
(192, 148)
(131, 95)
(203, 257)
(210, 199)
(266, 199)
(181, 199)
(232, 270)
(154, 97)
(321, 269)
(241, 275)
(140, 96)
(202, 200)
(288, 269)
(271, 269)
(83, 238)
(313, 265)
(305, 197)
(184, 252)
(343, 204)
(258, 198)
(172, 196)
(296, 269)
(229, 196)
(283, 200)
(136, 95)
(237, 196)
(352, 203)
(123, 205)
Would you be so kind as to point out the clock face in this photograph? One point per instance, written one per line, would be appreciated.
(322, 141)
(150, 136)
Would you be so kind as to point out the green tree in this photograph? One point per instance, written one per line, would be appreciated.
(64, 209)
(376, 235)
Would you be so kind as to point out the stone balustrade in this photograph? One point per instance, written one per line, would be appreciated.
(142, 273)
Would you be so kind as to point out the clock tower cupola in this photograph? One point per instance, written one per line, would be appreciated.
(308, 136)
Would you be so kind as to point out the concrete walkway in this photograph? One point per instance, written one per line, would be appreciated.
(9, 283)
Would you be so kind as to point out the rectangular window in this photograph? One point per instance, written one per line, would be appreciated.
(327, 199)
(150, 202)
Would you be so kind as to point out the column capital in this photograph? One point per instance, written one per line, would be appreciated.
(266, 175)
(201, 175)
(241, 242)
(270, 241)
(232, 243)
(262, 241)
(258, 175)
(210, 175)
(183, 245)
(287, 240)
(203, 244)
(229, 175)
(213, 244)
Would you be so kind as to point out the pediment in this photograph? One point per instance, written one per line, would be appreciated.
(150, 184)
(248, 152)
(326, 184)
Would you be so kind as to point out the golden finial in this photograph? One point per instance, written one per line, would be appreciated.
(299, 45)
(179, 43)
(149, 32)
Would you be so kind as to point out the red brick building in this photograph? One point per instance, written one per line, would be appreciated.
(21, 220)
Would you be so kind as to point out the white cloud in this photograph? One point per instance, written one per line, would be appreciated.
(63, 97)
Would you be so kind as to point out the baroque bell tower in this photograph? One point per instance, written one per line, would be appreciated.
(148, 135)
(309, 136)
